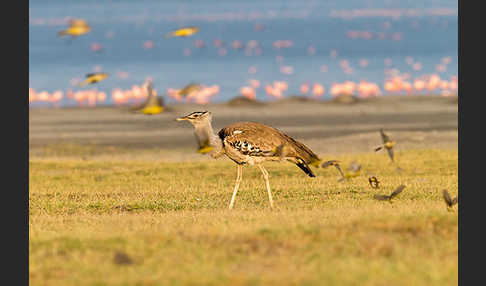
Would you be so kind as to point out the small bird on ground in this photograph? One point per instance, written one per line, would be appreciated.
(122, 258)
(448, 200)
(334, 163)
(250, 143)
(391, 196)
(93, 78)
(183, 32)
(153, 104)
(387, 144)
(76, 28)
(374, 183)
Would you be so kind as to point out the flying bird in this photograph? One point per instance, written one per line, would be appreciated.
(391, 196)
(334, 163)
(352, 171)
(374, 183)
(448, 200)
(76, 28)
(183, 32)
(188, 89)
(387, 144)
(93, 78)
(250, 143)
(153, 104)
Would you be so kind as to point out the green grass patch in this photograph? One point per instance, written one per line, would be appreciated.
(172, 220)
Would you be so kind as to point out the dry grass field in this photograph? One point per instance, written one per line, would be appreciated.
(106, 210)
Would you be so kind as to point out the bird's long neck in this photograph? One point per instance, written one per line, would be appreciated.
(206, 130)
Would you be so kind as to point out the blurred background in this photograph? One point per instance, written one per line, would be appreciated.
(262, 50)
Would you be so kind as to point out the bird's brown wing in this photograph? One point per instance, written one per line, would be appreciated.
(334, 163)
(186, 90)
(301, 150)
(329, 163)
(378, 148)
(251, 139)
(397, 191)
(256, 139)
(381, 197)
(447, 197)
(384, 137)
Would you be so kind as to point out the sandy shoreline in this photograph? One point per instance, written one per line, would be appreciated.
(326, 127)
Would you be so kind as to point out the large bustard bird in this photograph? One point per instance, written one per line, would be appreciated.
(250, 143)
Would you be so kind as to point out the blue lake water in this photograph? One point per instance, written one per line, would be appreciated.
(122, 27)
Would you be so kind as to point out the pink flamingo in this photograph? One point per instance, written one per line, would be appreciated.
(348, 87)
(363, 63)
(287, 69)
(453, 84)
(433, 82)
(43, 96)
(248, 91)
(254, 83)
(222, 52)
(148, 45)
(56, 96)
(101, 96)
(417, 66)
(236, 45)
(118, 97)
(311, 50)
(96, 47)
(32, 95)
(304, 88)
(318, 90)
(419, 84)
(199, 43)
(335, 89)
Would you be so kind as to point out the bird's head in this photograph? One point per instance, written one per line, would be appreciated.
(197, 117)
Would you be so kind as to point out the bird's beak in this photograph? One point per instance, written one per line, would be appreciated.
(182, 118)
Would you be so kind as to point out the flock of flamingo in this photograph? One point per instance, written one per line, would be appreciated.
(398, 84)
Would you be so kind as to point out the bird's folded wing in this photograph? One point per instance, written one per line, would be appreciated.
(251, 139)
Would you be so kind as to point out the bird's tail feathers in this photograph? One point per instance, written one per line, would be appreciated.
(304, 167)
(62, 33)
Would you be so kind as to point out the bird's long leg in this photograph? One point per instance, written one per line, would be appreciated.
(265, 176)
(237, 185)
